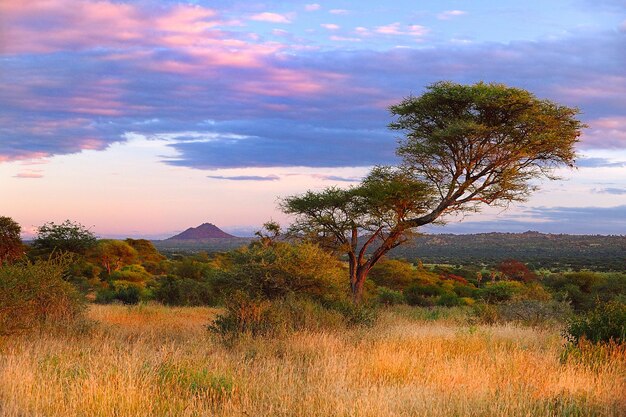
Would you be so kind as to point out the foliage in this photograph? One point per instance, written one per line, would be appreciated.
(11, 247)
(65, 237)
(275, 271)
(377, 208)
(395, 274)
(525, 311)
(173, 290)
(482, 143)
(464, 146)
(516, 270)
(606, 323)
(258, 317)
(585, 289)
(495, 292)
(388, 297)
(449, 299)
(113, 254)
(35, 293)
(148, 255)
(125, 293)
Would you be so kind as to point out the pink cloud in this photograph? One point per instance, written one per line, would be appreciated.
(270, 17)
(602, 88)
(42, 26)
(449, 14)
(398, 29)
(312, 7)
(29, 174)
(330, 26)
(605, 132)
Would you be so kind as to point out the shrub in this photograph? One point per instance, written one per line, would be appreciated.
(171, 290)
(363, 314)
(123, 291)
(607, 323)
(128, 294)
(257, 317)
(394, 274)
(494, 292)
(35, 294)
(529, 312)
(390, 297)
(534, 312)
(280, 269)
(448, 299)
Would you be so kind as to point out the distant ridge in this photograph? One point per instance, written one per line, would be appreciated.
(204, 231)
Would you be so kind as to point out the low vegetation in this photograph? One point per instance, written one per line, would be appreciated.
(150, 360)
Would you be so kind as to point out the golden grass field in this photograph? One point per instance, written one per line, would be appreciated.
(160, 361)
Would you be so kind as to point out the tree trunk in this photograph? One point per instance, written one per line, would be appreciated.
(357, 283)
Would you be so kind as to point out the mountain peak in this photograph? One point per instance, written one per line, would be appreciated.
(204, 231)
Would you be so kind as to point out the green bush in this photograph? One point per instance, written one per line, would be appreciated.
(534, 312)
(390, 297)
(172, 290)
(607, 323)
(495, 292)
(258, 317)
(128, 295)
(449, 299)
(280, 269)
(36, 294)
(524, 311)
(394, 274)
(122, 291)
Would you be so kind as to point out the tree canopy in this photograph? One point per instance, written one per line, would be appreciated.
(11, 247)
(65, 237)
(463, 146)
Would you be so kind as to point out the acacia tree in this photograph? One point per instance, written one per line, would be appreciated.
(65, 237)
(11, 247)
(113, 254)
(463, 146)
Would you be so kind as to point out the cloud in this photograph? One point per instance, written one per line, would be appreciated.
(599, 163)
(611, 190)
(344, 39)
(312, 7)
(339, 11)
(330, 26)
(449, 14)
(606, 132)
(266, 145)
(77, 79)
(567, 220)
(270, 17)
(245, 177)
(336, 178)
(398, 29)
(29, 174)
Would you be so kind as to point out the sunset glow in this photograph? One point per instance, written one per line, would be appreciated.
(143, 118)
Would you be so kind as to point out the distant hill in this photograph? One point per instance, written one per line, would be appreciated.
(601, 253)
(541, 250)
(204, 231)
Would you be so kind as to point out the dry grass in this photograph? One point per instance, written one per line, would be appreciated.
(158, 361)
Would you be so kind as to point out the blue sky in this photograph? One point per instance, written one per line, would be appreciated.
(146, 117)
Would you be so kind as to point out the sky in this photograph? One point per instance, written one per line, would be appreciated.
(143, 118)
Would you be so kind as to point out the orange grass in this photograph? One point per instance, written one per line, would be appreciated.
(159, 361)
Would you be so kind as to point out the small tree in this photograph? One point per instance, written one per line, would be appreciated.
(113, 254)
(516, 270)
(65, 237)
(11, 247)
(464, 146)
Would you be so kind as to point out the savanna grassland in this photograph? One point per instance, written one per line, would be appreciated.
(149, 360)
